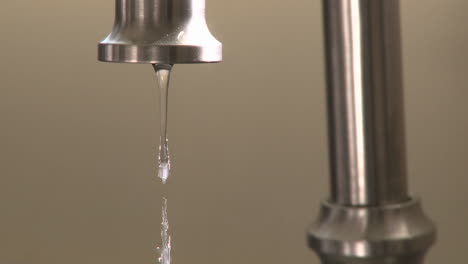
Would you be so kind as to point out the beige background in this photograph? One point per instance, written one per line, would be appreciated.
(248, 138)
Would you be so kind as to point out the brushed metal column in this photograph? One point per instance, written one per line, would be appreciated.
(365, 102)
(369, 217)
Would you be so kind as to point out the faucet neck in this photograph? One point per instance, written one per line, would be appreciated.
(365, 102)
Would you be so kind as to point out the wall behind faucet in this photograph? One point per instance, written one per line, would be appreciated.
(248, 137)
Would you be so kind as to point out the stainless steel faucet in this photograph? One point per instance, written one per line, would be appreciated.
(369, 218)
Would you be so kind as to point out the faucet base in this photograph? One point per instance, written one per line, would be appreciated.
(390, 234)
(396, 260)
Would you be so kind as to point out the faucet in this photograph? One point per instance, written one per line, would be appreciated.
(369, 218)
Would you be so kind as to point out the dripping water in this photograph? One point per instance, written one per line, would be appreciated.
(163, 73)
(165, 249)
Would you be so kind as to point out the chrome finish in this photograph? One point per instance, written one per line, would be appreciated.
(369, 218)
(365, 102)
(160, 32)
(390, 234)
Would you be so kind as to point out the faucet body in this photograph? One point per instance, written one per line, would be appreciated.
(369, 217)
(365, 102)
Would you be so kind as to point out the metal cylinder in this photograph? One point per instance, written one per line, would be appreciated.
(369, 218)
(365, 102)
(160, 32)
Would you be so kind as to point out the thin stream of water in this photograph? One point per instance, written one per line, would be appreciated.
(165, 249)
(163, 74)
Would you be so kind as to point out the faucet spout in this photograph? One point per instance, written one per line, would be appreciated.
(160, 32)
